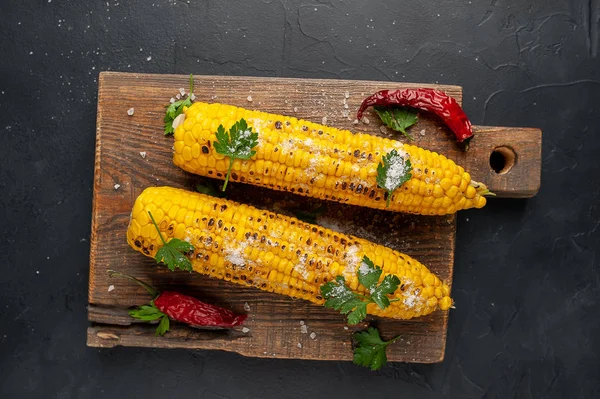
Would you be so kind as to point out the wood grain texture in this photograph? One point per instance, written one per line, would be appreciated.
(274, 320)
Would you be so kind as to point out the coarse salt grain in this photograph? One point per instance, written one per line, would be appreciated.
(299, 345)
(111, 288)
(182, 91)
(143, 154)
(313, 335)
(172, 100)
(355, 122)
(246, 307)
(303, 329)
(347, 94)
(178, 121)
(345, 327)
(249, 98)
(117, 186)
(192, 96)
(324, 120)
(366, 120)
(396, 170)
(130, 111)
(245, 330)
(422, 132)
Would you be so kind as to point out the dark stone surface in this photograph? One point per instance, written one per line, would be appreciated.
(527, 279)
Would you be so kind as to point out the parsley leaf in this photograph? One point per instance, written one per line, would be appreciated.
(146, 313)
(238, 143)
(209, 189)
(175, 109)
(340, 297)
(397, 118)
(370, 349)
(151, 313)
(172, 253)
(163, 326)
(392, 172)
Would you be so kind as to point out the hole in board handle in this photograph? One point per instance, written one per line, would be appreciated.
(502, 159)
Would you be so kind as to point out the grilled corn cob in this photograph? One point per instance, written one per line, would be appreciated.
(276, 253)
(322, 162)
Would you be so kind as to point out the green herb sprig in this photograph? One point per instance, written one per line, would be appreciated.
(397, 118)
(238, 143)
(172, 253)
(370, 349)
(392, 172)
(175, 109)
(150, 313)
(339, 296)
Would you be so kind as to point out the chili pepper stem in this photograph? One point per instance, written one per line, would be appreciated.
(157, 229)
(151, 290)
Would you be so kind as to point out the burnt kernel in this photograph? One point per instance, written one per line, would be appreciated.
(363, 155)
(337, 183)
(255, 236)
(335, 150)
(300, 190)
(343, 241)
(211, 222)
(266, 170)
(336, 238)
(372, 194)
(311, 262)
(359, 188)
(351, 186)
(208, 241)
(271, 216)
(377, 198)
(251, 173)
(426, 170)
(227, 275)
(370, 157)
(247, 235)
(215, 207)
(278, 125)
(242, 179)
(205, 149)
(305, 128)
(220, 223)
(314, 229)
(386, 195)
(151, 247)
(250, 218)
(402, 287)
(232, 229)
(219, 174)
(138, 243)
(344, 185)
(263, 285)
(199, 255)
(321, 233)
(312, 180)
(263, 239)
(287, 123)
(223, 207)
(298, 253)
(243, 277)
(210, 172)
(357, 153)
(330, 249)
(259, 220)
(234, 176)
(291, 153)
(293, 222)
(145, 250)
(320, 132)
(275, 149)
(283, 247)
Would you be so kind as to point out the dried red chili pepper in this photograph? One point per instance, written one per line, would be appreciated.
(430, 100)
(184, 308)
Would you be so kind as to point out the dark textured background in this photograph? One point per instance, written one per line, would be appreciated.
(527, 279)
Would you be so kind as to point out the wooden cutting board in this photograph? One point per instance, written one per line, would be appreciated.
(274, 321)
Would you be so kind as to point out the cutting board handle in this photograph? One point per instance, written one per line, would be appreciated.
(507, 159)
